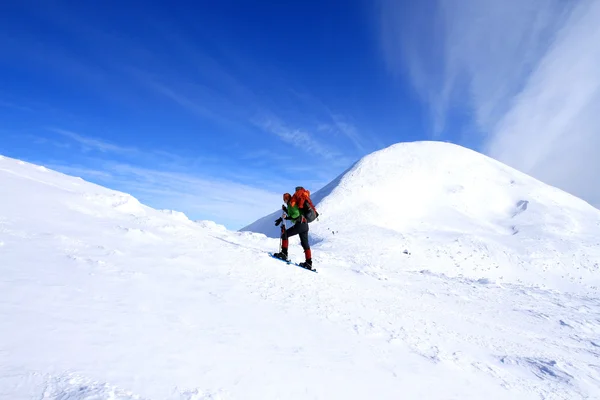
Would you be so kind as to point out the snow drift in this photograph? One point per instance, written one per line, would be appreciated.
(456, 212)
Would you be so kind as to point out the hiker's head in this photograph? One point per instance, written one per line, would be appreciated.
(286, 197)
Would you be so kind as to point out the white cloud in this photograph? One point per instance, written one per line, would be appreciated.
(298, 138)
(77, 171)
(224, 98)
(202, 187)
(89, 143)
(182, 100)
(225, 201)
(526, 71)
(340, 125)
(14, 106)
(200, 197)
(174, 182)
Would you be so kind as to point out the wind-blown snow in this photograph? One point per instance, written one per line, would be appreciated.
(102, 297)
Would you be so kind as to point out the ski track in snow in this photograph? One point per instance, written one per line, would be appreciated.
(104, 298)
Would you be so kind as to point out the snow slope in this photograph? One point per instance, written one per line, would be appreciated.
(456, 212)
(102, 297)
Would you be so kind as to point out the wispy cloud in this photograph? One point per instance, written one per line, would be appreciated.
(39, 140)
(340, 126)
(524, 72)
(471, 55)
(298, 138)
(241, 109)
(14, 106)
(219, 94)
(78, 171)
(181, 99)
(336, 122)
(270, 172)
(200, 197)
(208, 90)
(88, 143)
(202, 188)
(553, 128)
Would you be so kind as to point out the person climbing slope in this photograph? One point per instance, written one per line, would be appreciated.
(300, 210)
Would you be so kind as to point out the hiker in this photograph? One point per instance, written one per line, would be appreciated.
(297, 208)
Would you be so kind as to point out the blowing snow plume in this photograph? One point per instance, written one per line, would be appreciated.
(457, 212)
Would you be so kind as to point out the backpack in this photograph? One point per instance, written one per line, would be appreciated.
(307, 208)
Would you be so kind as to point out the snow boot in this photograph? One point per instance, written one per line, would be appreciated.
(282, 255)
(306, 264)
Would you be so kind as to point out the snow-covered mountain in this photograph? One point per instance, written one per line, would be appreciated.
(457, 212)
(102, 297)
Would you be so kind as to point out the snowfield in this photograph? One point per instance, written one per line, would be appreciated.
(442, 274)
(459, 213)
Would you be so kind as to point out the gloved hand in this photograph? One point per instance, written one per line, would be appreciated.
(284, 208)
(278, 221)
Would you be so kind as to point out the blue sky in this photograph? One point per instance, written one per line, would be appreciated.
(216, 108)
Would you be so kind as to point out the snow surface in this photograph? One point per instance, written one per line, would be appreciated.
(423, 291)
(457, 212)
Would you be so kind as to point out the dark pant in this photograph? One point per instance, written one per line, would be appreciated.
(300, 228)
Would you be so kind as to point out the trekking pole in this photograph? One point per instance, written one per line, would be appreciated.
(283, 229)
